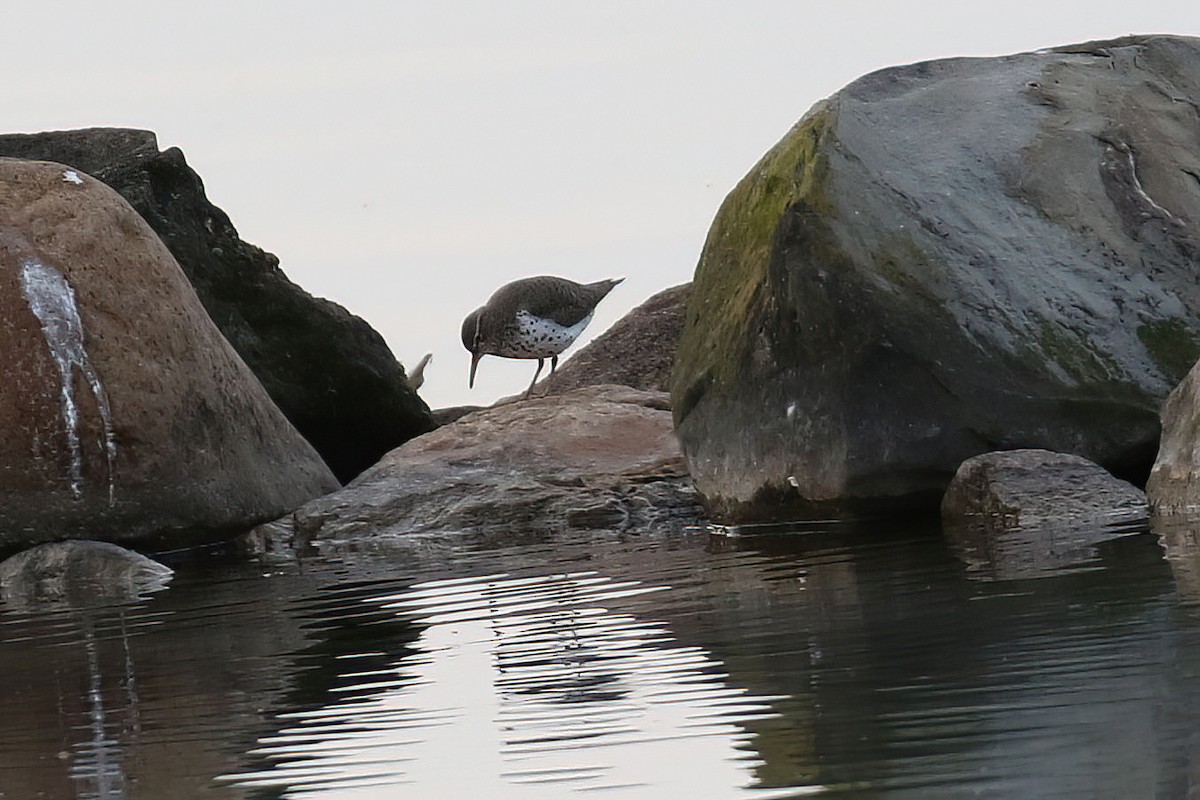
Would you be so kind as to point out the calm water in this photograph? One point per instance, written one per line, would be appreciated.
(860, 661)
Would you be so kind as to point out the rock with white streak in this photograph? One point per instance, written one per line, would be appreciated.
(126, 416)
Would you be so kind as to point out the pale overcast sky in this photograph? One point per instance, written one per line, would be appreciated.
(406, 158)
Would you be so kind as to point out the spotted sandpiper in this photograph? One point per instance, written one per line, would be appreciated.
(532, 318)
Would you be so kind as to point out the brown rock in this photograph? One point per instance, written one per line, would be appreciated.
(600, 457)
(126, 414)
(330, 373)
(638, 351)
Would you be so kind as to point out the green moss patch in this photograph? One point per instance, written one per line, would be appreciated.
(1173, 345)
(1078, 357)
(732, 276)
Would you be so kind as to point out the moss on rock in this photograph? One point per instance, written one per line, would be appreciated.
(734, 266)
(1172, 344)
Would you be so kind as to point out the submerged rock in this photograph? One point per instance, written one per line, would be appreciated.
(329, 372)
(127, 416)
(637, 351)
(944, 259)
(602, 457)
(80, 573)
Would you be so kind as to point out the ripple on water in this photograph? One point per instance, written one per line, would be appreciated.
(541, 684)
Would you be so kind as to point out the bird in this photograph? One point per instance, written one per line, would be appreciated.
(416, 377)
(535, 317)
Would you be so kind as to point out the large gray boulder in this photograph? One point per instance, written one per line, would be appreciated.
(596, 458)
(330, 373)
(944, 259)
(126, 415)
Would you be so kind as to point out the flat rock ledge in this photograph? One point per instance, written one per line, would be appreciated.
(597, 458)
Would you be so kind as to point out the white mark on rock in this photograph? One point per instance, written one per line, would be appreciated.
(71, 176)
(791, 410)
(791, 479)
(1137, 187)
(52, 301)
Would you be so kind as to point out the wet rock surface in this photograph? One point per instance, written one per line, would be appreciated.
(330, 373)
(601, 457)
(945, 259)
(127, 416)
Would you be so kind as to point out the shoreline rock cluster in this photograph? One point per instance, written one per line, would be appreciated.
(970, 282)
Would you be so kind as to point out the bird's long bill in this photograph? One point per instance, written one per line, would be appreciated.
(474, 363)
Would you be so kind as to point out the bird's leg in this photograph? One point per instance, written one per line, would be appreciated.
(541, 362)
(553, 362)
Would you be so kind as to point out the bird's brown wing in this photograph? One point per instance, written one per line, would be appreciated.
(547, 296)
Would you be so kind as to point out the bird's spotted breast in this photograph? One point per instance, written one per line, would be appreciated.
(535, 337)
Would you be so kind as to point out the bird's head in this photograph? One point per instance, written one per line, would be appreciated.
(471, 340)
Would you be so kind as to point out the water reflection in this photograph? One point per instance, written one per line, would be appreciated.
(866, 661)
(93, 669)
(543, 686)
(1016, 552)
(915, 680)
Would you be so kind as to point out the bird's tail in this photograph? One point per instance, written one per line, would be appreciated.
(602, 288)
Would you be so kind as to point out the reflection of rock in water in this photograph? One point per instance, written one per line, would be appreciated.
(96, 763)
(1017, 553)
(542, 685)
(91, 582)
(79, 574)
(1180, 541)
(352, 637)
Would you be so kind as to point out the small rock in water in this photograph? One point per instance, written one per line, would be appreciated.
(1030, 513)
(79, 573)
(1035, 487)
